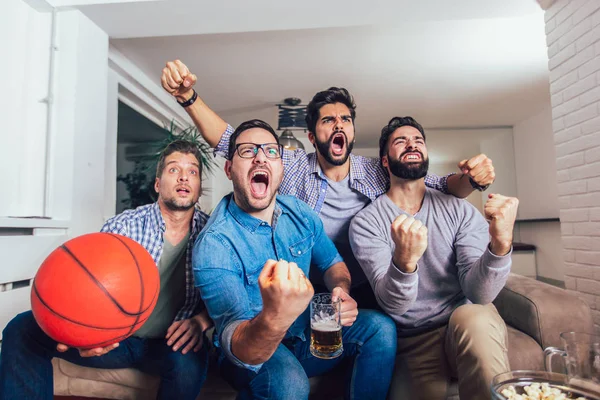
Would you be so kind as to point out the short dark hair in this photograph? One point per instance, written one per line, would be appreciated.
(329, 96)
(181, 146)
(395, 123)
(244, 126)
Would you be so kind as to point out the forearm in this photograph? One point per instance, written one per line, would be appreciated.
(459, 185)
(338, 276)
(210, 125)
(483, 280)
(396, 291)
(255, 341)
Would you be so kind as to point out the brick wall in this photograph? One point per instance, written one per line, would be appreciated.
(573, 39)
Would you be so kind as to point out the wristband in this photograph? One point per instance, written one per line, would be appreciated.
(191, 100)
(477, 186)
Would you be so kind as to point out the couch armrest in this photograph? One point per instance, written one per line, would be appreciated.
(542, 311)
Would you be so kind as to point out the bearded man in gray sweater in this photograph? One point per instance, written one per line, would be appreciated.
(435, 266)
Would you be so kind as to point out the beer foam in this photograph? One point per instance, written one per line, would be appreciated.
(326, 326)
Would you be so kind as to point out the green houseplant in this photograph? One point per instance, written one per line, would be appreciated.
(140, 182)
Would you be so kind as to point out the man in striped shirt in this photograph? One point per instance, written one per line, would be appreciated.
(170, 343)
(334, 182)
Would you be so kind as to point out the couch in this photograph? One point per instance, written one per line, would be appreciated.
(534, 312)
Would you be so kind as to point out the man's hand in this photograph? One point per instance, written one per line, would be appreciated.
(286, 292)
(478, 168)
(178, 80)
(410, 236)
(501, 211)
(97, 352)
(186, 331)
(349, 310)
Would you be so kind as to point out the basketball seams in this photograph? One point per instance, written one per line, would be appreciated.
(53, 311)
(142, 286)
(97, 282)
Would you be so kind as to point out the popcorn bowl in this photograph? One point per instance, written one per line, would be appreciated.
(540, 382)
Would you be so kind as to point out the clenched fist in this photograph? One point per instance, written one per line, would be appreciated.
(178, 80)
(286, 292)
(501, 211)
(479, 168)
(410, 237)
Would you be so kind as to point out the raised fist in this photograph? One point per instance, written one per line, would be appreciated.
(501, 211)
(410, 237)
(286, 292)
(480, 169)
(178, 80)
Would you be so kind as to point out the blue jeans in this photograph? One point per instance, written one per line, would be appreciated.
(26, 370)
(369, 347)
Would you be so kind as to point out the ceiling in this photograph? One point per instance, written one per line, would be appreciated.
(450, 64)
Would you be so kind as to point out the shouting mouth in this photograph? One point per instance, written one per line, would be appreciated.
(338, 144)
(259, 183)
(412, 157)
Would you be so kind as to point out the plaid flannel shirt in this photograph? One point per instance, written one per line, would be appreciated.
(146, 226)
(304, 178)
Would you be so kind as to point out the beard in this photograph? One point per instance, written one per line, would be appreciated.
(408, 171)
(179, 205)
(325, 150)
(250, 205)
(242, 192)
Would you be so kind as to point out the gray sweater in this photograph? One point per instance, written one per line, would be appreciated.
(457, 267)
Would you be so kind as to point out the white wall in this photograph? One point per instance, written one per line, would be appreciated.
(537, 189)
(572, 35)
(498, 146)
(76, 165)
(545, 236)
(24, 79)
(535, 161)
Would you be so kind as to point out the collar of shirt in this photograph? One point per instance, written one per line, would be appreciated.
(357, 169)
(247, 221)
(157, 222)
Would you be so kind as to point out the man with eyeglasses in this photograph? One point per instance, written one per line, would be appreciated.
(335, 183)
(252, 262)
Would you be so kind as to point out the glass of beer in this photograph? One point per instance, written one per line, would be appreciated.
(326, 327)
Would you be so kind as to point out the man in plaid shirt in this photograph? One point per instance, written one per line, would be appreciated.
(170, 343)
(334, 182)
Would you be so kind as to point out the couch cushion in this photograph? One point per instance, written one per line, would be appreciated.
(124, 376)
(542, 311)
(523, 351)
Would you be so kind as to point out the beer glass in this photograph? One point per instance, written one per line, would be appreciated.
(581, 354)
(325, 327)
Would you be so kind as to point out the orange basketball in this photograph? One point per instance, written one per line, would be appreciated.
(95, 290)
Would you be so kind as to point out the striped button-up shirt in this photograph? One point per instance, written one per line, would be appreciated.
(146, 226)
(304, 179)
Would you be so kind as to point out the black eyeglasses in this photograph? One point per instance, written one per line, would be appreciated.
(250, 150)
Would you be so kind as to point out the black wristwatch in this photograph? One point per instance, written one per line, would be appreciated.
(190, 101)
(477, 186)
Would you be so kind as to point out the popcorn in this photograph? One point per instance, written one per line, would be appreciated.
(536, 391)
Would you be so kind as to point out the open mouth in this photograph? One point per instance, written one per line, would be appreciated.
(259, 183)
(183, 191)
(412, 157)
(338, 143)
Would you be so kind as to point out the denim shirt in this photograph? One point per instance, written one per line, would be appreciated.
(231, 251)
